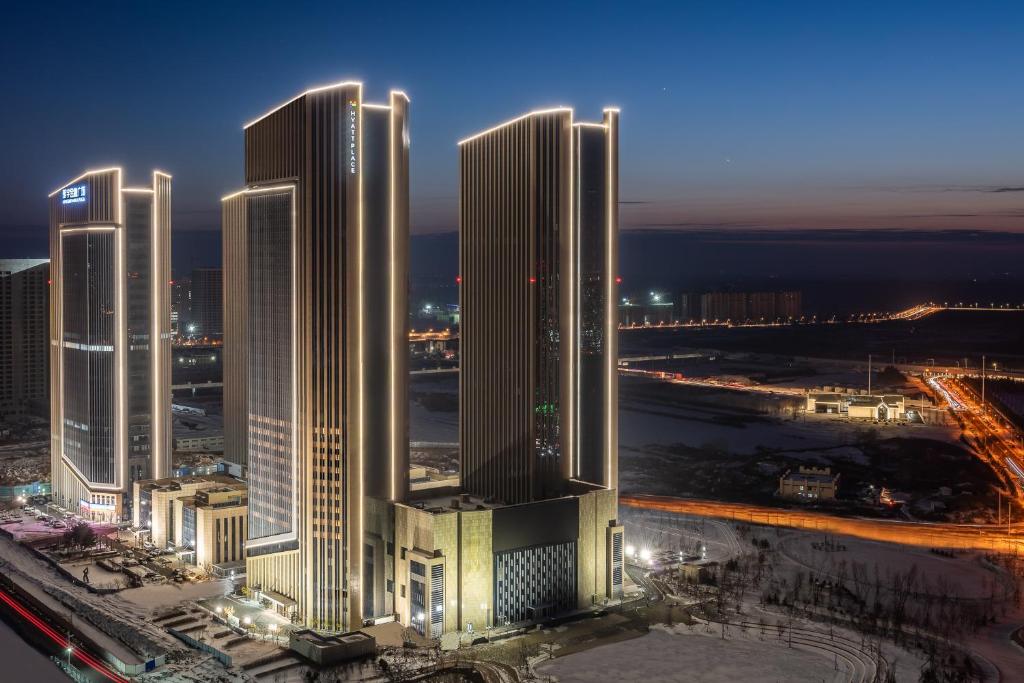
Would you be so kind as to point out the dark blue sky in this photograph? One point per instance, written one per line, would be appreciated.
(733, 114)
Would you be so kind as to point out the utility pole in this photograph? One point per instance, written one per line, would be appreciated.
(983, 411)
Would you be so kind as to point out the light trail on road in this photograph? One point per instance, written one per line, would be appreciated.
(78, 652)
(712, 383)
(998, 445)
(919, 534)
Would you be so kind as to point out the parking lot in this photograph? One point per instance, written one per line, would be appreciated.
(118, 558)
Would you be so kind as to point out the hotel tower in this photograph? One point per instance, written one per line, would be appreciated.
(315, 288)
(110, 262)
(538, 253)
(533, 532)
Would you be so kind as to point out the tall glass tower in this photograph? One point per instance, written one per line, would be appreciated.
(110, 320)
(315, 347)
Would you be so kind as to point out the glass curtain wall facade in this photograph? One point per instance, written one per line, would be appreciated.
(110, 339)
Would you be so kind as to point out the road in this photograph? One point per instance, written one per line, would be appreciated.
(919, 534)
(88, 662)
(714, 383)
(996, 441)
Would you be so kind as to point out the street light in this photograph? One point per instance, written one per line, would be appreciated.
(487, 615)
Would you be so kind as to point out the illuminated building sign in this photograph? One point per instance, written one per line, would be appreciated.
(352, 134)
(86, 506)
(76, 194)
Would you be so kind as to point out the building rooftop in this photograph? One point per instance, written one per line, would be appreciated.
(874, 400)
(450, 500)
(176, 483)
(326, 640)
(821, 475)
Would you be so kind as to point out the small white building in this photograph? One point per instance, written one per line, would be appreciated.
(883, 408)
(886, 407)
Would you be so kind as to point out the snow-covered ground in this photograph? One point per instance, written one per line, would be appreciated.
(434, 426)
(692, 654)
(962, 576)
(168, 595)
(966, 576)
(640, 427)
(653, 530)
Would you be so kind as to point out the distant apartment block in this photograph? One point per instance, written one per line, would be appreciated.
(24, 331)
(181, 293)
(722, 306)
(809, 483)
(740, 307)
(207, 306)
(689, 306)
(634, 314)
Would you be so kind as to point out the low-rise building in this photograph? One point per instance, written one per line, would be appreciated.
(210, 527)
(199, 443)
(424, 478)
(153, 499)
(323, 649)
(466, 564)
(883, 407)
(809, 483)
(876, 407)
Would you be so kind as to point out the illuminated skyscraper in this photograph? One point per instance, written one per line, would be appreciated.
(538, 226)
(110, 256)
(315, 346)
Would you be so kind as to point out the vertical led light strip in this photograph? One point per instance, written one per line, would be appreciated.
(154, 332)
(611, 362)
(58, 277)
(294, 369)
(574, 283)
(121, 332)
(392, 286)
(360, 342)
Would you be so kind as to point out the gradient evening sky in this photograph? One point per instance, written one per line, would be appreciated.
(733, 114)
